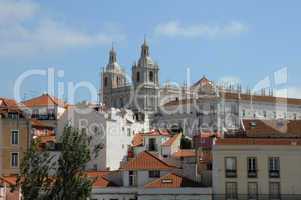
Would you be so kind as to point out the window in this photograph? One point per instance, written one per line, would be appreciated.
(132, 178)
(15, 137)
(264, 114)
(106, 81)
(274, 190)
(252, 190)
(252, 167)
(154, 174)
(274, 167)
(231, 190)
(152, 144)
(151, 76)
(13, 115)
(275, 115)
(138, 76)
(129, 132)
(243, 112)
(35, 113)
(14, 159)
(230, 163)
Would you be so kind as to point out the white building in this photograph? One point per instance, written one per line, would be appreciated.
(148, 177)
(113, 130)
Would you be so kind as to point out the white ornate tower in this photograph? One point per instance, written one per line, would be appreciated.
(145, 79)
(112, 77)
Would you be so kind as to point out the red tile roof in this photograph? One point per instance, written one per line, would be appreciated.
(100, 180)
(182, 153)
(146, 161)
(44, 100)
(11, 180)
(137, 140)
(261, 98)
(272, 128)
(157, 132)
(171, 181)
(243, 97)
(5, 102)
(171, 140)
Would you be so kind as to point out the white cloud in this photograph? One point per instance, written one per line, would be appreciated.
(176, 29)
(43, 34)
(12, 11)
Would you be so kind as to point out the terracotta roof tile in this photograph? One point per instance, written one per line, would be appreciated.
(137, 140)
(11, 180)
(157, 132)
(272, 128)
(184, 153)
(146, 161)
(5, 102)
(171, 140)
(100, 180)
(44, 100)
(270, 99)
(172, 181)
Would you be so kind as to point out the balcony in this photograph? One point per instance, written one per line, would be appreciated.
(44, 116)
(252, 173)
(231, 173)
(274, 173)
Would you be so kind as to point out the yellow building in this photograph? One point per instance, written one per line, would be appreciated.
(257, 168)
(14, 136)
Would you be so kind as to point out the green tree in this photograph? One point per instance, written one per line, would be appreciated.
(68, 180)
(71, 181)
(34, 177)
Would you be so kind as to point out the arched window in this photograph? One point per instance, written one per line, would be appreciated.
(118, 81)
(138, 76)
(151, 76)
(106, 81)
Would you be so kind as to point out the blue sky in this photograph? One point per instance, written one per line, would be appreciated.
(234, 40)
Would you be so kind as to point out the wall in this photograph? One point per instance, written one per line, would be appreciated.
(123, 193)
(6, 126)
(290, 162)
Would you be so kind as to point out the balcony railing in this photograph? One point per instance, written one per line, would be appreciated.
(231, 173)
(44, 116)
(274, 173)
(252, 173)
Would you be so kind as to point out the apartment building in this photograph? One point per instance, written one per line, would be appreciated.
(14, 136)
(112, 130)
(147, 177)
(257, 168)
(46, 108)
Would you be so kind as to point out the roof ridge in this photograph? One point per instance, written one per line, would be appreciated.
(162, 161)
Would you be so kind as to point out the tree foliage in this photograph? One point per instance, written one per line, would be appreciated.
(68, 180)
